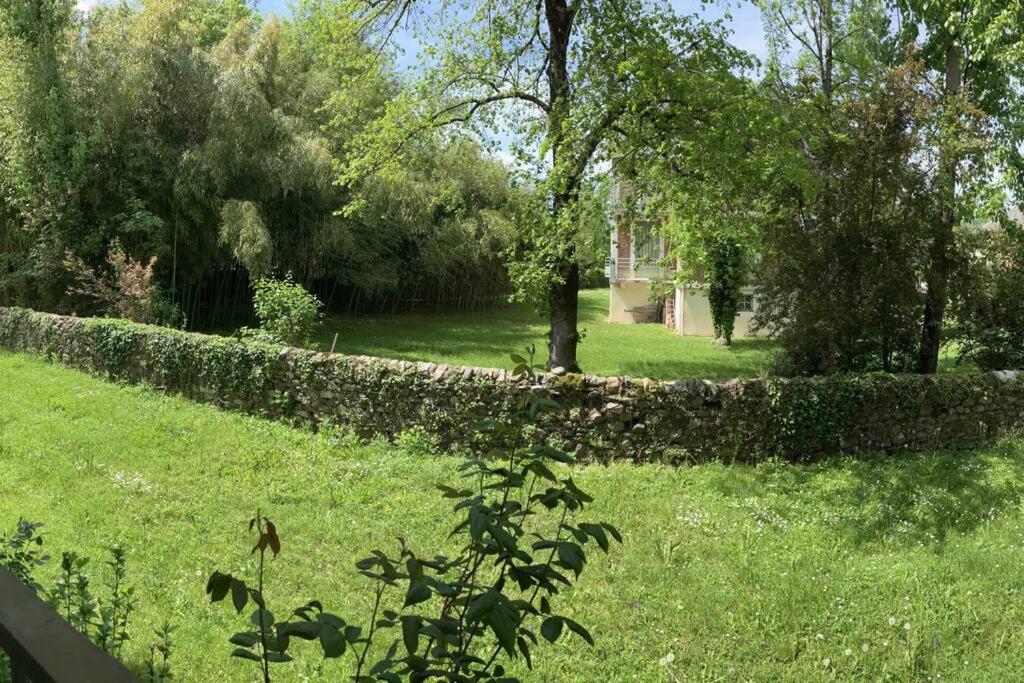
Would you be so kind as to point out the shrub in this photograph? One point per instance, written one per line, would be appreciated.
(726, 274)
(288, 314)
(126, 291)
(989, 318)
(104, 619)
(22, 552)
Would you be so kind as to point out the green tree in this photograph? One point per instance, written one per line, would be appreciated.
(980, 43)
(41, 148)
(845, 226)
(572, 82)
(988, 314)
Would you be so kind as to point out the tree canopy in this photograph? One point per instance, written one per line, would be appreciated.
(576, 85)
(208, 137)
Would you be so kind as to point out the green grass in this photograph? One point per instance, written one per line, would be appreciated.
(885, 568)
(486, 340)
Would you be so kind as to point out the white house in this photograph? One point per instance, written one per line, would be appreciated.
(642, 288)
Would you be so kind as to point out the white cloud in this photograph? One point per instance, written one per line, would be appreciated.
(85, 5)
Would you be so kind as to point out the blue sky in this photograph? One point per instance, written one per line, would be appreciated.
(745, 21)
(742, 17)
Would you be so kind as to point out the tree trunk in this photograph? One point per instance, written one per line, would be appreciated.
(563, 296)
(564, 335)
(938, 269)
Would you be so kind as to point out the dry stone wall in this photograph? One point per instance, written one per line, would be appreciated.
(604, 417)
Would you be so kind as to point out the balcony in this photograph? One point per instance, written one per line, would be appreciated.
(629, 270)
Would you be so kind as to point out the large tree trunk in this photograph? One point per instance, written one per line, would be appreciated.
(937, 277)
(563, 296)
(564, 335)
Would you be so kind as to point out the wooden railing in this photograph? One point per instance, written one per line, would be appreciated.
(43, 648)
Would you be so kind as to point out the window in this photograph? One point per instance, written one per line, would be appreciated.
(745, 304)
(646, 245)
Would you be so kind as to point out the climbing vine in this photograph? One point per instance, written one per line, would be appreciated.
(726, 275)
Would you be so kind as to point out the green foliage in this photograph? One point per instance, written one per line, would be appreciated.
(460, 613)
(850, 548)
(288, 314)
(726, 273)
(158, 666)
(21, 553)
(112, 626)
(988, 327)
(844, 260)
(104, 620)
(196, 133)
(71, 596)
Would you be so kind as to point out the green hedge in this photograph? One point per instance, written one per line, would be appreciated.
(605, 418)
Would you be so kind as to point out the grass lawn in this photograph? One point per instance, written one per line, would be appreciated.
(877, 568)
(487, 339)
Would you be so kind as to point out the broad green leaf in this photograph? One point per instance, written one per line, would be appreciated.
(307, 630)
(245, 639)
(242, 653)
(332, 642)
(551, 628)
(411, 633)
(579, 630)
(418, 592)
(239, 595)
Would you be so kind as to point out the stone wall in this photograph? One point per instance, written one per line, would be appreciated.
(604, 417)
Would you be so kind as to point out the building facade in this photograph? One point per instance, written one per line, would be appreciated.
(642, 286)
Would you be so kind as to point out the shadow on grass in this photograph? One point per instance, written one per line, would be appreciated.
(714, 363)
(906, 499)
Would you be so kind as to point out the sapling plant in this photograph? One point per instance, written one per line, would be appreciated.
(22, 552)
(112, 627)
(265, 642)
(158, 666)
(464, 617)
(72, 596)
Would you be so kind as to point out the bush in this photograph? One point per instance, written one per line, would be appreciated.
(843, 260)
(104, 619)
(288, 314)
(989, 317)
(127, 291)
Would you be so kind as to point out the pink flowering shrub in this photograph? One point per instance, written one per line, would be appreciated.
(127, 291)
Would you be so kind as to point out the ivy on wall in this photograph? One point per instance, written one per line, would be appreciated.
(606, 417)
